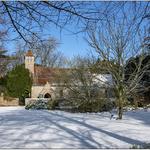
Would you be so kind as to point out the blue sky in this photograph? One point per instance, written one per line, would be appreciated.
(70, 44)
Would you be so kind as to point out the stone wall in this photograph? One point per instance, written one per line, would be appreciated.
(7, 101)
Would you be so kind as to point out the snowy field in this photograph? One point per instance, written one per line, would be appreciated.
(20, 128)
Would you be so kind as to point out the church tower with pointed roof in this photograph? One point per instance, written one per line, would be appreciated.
(29, 61)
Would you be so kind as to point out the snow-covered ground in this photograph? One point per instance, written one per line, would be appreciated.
(20, 128)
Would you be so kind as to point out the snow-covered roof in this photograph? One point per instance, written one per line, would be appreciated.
(103, 79)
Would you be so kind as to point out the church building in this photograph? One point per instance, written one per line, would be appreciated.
(44, 84)
(45, 81)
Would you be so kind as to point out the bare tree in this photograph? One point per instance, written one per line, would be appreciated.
(3, 56)
(80, 80)
(28, 17)
(115, 41)
(82, 83)
(46, 53)
(44, 50)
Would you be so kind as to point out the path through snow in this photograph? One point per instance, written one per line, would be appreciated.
(20, 128)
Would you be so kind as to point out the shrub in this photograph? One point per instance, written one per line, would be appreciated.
(143, 146)
(140, 104)
(37, 104)
(148, 106)
(75, 105)
(52, 104)
(95, 106)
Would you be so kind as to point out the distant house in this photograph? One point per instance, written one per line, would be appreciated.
(45, 83)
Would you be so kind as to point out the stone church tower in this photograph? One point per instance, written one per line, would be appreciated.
(29, 61)
(41, 77)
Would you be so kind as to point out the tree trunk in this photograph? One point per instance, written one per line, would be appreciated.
(120, 112)
(120, 108)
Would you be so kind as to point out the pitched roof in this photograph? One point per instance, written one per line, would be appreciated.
(42, 75)
(29, 53)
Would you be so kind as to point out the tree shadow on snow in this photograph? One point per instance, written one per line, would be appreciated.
(93, 128)
(140, 115)
(21, 128)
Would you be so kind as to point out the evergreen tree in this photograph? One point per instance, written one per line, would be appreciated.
(19, 82)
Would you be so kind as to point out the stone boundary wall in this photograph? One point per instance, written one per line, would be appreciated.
(9, 101)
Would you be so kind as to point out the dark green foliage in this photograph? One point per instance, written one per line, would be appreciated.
(3, 81)
(52, 104)
(3, 84)
(95, 106)
(91, 106)
(83, 106)
(132, 66)
(88, 99)
(19, 82)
